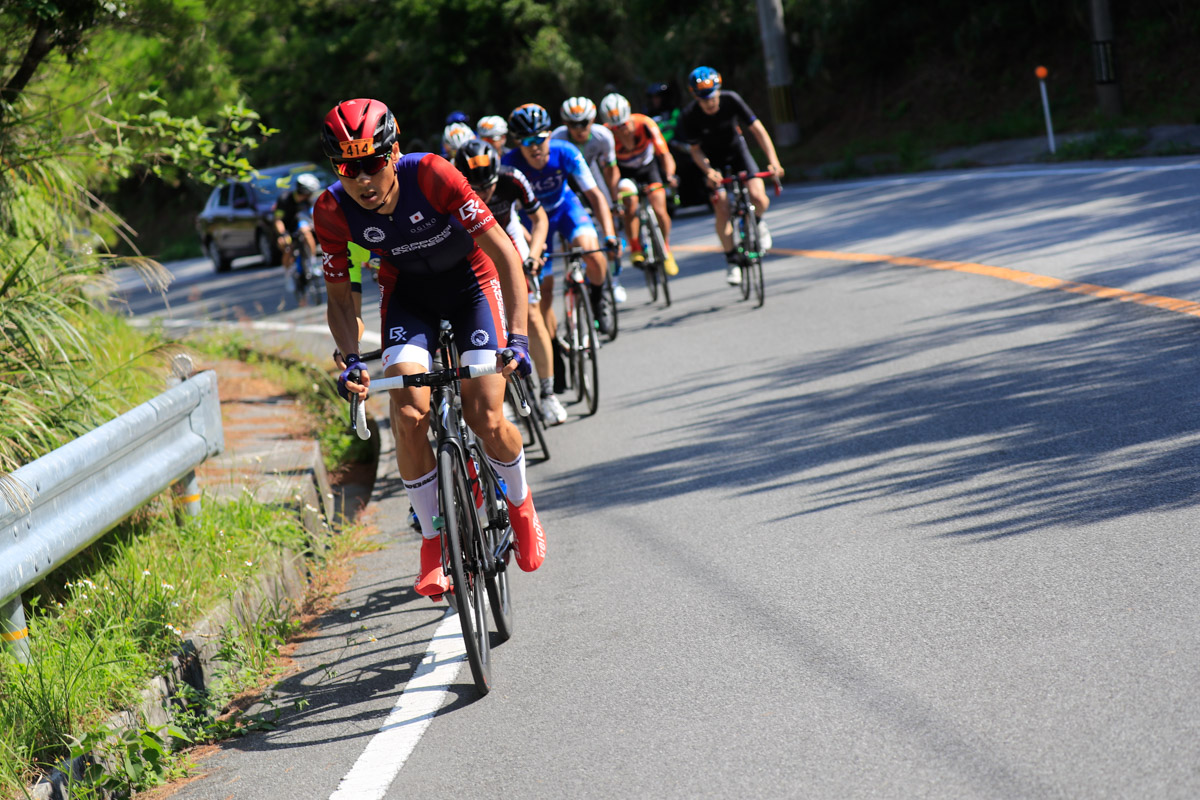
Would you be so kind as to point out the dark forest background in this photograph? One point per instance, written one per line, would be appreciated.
(870, 75)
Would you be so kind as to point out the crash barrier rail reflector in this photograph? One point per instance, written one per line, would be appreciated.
(79, 491)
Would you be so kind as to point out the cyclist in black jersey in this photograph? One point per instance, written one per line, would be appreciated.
(293, 218)
(714, 125)
(506, 190)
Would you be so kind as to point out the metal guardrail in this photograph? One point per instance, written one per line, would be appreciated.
(83, 488)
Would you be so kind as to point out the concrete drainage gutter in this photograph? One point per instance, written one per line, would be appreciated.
(303, 483)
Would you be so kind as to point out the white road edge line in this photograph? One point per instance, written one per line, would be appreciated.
(415, 708)
(259, 325)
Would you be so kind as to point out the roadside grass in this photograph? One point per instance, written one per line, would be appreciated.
(107, 622)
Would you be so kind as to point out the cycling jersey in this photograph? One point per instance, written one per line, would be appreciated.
(550, 182)
(431, 230)
(599, 152)
(427, 245)
(294, 213)
(512, 188)
(719, 135)
(647, 141)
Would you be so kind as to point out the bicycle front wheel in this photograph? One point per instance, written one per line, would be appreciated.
(659, 248)
(611, 296)
(463, 538)
(586, 365)
(749, 246)
(756, 277)
(534, 426)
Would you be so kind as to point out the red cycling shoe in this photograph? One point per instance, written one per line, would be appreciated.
(432, 581)
(529, 541)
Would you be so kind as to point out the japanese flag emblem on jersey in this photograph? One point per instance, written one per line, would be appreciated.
(470, 211)
(417, 217)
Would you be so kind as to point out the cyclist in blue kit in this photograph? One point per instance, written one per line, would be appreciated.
(547, 163)
(441, 256)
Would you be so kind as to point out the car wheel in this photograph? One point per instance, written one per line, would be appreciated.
(221, 262)
(271, 256)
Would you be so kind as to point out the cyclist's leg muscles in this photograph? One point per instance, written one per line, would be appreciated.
(576, 226)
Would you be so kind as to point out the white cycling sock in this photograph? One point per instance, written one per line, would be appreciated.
(423, 494)
(513, 474)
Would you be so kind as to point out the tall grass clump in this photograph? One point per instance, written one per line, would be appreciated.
(66, 363)
(109, 620)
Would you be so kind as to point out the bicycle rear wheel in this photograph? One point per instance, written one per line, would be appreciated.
(586, 366)
(498, 537)
(463, 539)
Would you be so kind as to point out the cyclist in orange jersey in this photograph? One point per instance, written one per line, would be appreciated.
(641, 149)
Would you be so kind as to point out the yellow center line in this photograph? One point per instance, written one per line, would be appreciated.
(1189, 307)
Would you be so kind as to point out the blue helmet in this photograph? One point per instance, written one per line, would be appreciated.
(528, 120)
(703, 81)
(457, 116)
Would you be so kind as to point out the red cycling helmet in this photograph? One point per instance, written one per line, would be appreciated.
(357, 129)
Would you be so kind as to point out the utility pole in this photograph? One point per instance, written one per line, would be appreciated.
(779, 73)
(1108, 91)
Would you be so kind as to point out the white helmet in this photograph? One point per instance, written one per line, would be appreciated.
(455, 136)
(491, 127)
(614, 109)
(308, 183)
(578, 109)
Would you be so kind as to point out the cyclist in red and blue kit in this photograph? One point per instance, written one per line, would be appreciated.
(441, 256)
(547, 163)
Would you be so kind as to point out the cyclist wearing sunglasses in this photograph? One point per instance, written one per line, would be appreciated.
(506, 191)
(293, 218)
(641, 150)
(493, 129)
(548, 164)
(596, 144)
(441, 256)
(713, 125)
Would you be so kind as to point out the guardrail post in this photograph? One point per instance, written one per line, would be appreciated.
(187, 494)
(13, 631)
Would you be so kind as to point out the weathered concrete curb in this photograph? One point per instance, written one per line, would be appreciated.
(283, 583)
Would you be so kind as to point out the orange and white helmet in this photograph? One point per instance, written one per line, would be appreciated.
(491, 127)
(455, 136)
(577, 109)
(614, 109)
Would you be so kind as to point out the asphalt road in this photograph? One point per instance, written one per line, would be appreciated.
(902, 532)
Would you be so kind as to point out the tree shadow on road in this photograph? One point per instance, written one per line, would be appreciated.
(1094, 421)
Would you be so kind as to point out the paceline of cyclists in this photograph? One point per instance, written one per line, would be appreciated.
(461, 236)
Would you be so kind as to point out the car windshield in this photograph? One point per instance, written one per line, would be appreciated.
(269, 187)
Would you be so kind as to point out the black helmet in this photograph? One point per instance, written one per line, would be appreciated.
(528, 120)
(658, 89)
(479, 162)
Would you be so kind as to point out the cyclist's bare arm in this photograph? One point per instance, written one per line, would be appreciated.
(596, 198)
(344, 325)
(711, 176)
(668, 164)
(767, 146)
(612, 176)
(500, 250)
(541, 229)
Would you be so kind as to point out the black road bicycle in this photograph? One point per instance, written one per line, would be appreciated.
(744, 218)
(580, 340)
(654, 248)
(306, 274)
(474, 525)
